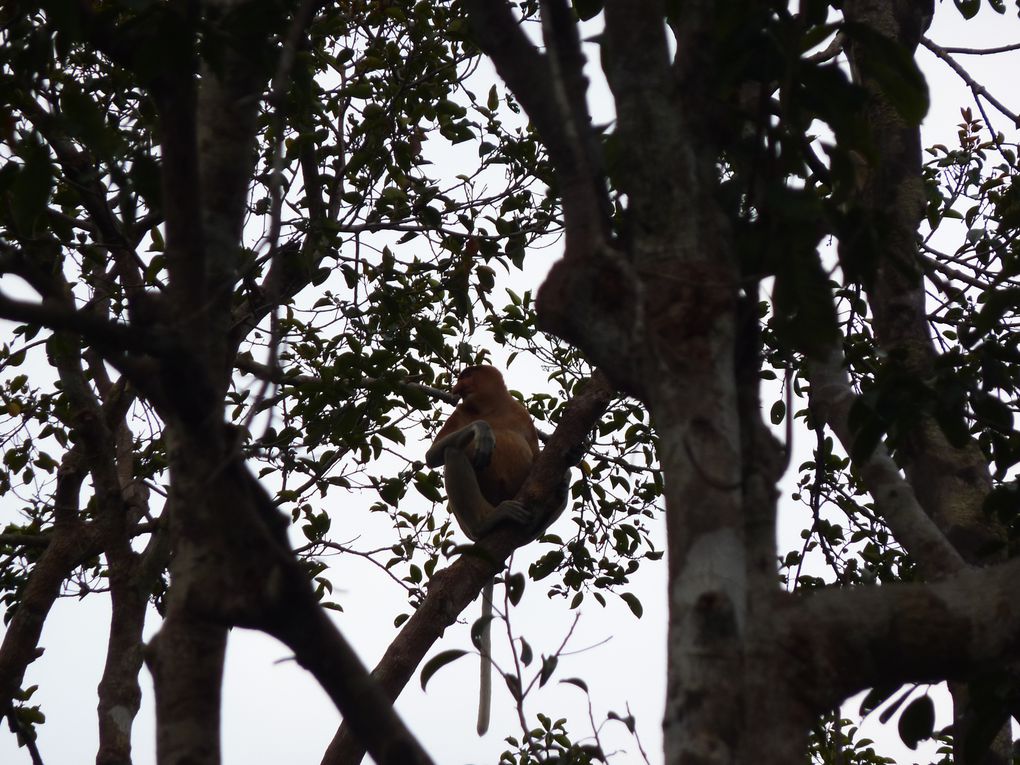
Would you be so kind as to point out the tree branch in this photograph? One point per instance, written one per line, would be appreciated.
(551, 88)
(951, 482)
(976, 87)
(280, 377)
(103, 333)
(852, 639)
(831, 400)
(452, 589)
(70, 543)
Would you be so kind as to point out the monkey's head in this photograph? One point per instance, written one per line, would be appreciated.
(477, 383)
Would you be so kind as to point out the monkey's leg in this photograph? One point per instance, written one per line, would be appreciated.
(485, 668)
(473, 512)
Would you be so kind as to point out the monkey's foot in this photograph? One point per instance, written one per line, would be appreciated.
(515, 511)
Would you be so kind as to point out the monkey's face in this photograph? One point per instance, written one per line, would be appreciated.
(473, 381)
(466, 382)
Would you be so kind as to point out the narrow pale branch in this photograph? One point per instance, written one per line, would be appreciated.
(950, 481)
(982, 51)
(830, 51)
(281, 82)
(831, 399)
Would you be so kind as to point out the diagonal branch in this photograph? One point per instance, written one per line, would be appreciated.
(551, 88)
(832, 399)
(70, 543)
(452, 589)
(951, 481)
(976, 87)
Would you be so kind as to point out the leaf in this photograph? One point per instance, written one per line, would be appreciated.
(778, 412)
(628, 720)
(415, 574)
(146, 175)
(26, 694)
(86, 121)
(548, 667)
(576, 681)
(917, 722)
(633, 603)
(30, 715)
(545, 565)
(427, 488)
(478, 628)
(875, 698)
(587, 9)
(992, 412)
(513, 685)
(526, 653)
(32, 186)
(969, 8)
(158, 244)
(515, 587)
(437, 662)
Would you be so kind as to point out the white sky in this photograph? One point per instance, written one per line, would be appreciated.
(274, 712)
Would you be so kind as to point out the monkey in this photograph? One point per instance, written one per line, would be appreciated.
(486, 449)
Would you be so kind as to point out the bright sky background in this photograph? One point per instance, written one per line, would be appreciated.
(275, 712)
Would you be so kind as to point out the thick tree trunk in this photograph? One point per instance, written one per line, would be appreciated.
(186, 662)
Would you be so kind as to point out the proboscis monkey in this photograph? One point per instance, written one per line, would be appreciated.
(486, 447)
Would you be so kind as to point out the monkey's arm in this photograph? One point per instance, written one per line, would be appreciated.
(477, 438)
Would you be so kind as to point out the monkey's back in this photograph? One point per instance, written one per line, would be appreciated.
(516, 448)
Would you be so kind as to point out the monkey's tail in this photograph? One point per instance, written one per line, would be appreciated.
(485, 670)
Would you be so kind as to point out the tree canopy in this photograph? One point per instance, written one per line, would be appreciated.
(246, 245)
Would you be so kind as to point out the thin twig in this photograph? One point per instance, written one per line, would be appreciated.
(983, 51)
(25, 737)
(976, 87)
(277, 375)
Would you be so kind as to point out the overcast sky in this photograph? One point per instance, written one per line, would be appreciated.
(274, 712)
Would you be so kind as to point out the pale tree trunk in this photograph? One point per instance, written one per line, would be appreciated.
(951, 482)
(186, 662)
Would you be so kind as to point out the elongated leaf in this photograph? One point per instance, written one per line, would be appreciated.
(437, 662)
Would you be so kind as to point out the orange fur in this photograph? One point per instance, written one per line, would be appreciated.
(484, 397)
